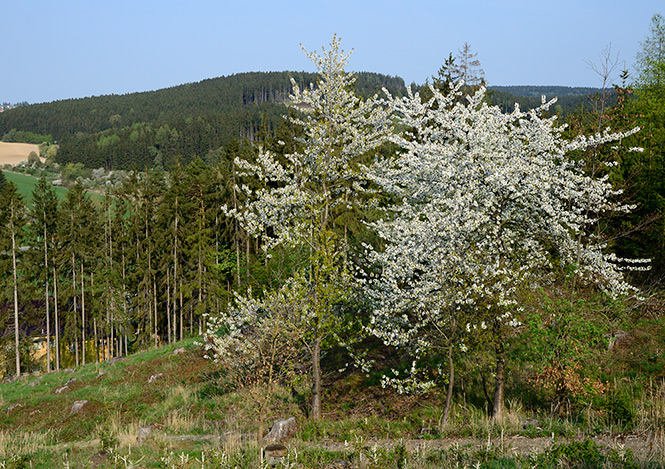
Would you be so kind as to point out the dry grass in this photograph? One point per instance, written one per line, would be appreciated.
(17, 443)
(14, 153)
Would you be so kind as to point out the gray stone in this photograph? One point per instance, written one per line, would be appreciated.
(339, 464)
(34, 383)
(100, 374)
(144, 432)
(530, 423)
(178, 351)
(615, 339)
(274, 454)
(62, 389)
(70, 381)
(77, 406)
(281, 431)
(153, 378)
(35, 412)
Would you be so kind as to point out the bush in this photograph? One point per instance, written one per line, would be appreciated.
(579, 454)
(619, 408)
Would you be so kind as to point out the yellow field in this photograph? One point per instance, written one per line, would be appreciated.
(14, 153)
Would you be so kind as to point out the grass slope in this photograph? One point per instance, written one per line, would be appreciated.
(199, 422)
(26, 185)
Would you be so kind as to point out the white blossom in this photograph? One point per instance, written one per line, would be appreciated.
(490, 203)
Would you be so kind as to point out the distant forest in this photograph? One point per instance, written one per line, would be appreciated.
(569, 99)
(141, 130)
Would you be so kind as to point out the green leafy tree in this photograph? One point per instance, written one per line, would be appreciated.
(651, 58)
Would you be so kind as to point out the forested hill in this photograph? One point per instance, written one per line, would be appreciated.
(64, 118)
(138, 130)
(529, 96)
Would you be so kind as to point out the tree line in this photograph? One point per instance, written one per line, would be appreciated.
(142, 267)
(139, 130)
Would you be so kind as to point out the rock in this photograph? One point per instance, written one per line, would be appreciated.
(15, 405)
(274, 453)
(615, 339)
(339, 464)
(530, 423)
(154, 377)
(100, 374)
(99, 459)
(281, 431)
(77, 406)
(428, 431)
(70, 381)
(35, 412)
(144, 432)
(178, 351)
(34, 383)
(62, 389)
(115, 360)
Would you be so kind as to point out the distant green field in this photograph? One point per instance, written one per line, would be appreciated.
(26, 184)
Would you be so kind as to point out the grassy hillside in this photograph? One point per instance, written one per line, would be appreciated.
(26, 184)
(196, 421)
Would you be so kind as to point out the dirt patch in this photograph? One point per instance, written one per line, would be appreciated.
(14, 153)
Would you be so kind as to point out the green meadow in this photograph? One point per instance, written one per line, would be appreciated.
(26, 185)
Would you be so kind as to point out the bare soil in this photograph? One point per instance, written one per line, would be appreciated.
(14, 153)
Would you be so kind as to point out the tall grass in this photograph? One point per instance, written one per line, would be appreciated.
(18, 443)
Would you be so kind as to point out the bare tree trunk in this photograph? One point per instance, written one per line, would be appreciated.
(94, 321)
(497, 413)
(57, 322)
(46, 297)
(181, 318)
(449, 393)
(168, 304)
(15, 277)
(154, 287)
(316, 379)
(48, 327)
(76, 335)
(82, 314)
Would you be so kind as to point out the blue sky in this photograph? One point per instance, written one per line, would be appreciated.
(67, 49)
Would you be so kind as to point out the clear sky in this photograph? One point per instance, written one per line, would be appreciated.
(69, 48)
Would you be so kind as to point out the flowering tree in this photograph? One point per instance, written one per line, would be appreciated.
(302, 192)
(257, 343)
(491, 204)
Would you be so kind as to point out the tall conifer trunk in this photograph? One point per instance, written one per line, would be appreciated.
(82, 315)
(46, 297)
(15, 277)
(57, 321)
